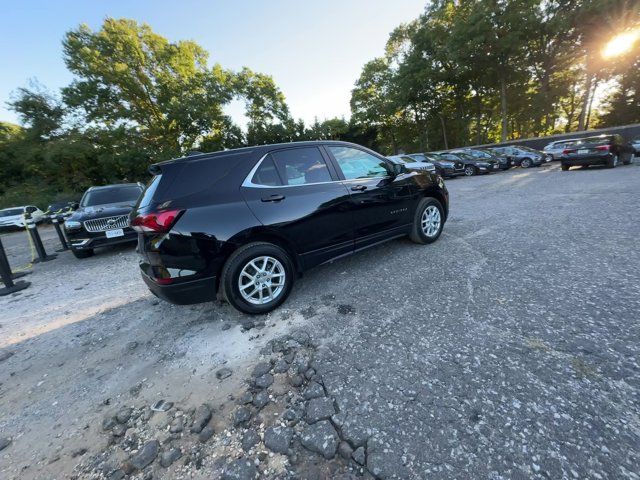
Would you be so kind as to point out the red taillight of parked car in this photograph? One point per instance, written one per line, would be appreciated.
(603, 147)
(158, 222)
(567, 151)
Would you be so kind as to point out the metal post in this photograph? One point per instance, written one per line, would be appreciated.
(6, 276)
(37, 241)
(63, 241)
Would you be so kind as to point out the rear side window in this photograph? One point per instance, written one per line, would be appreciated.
(267, 174)
(150, 191)
(299, 166)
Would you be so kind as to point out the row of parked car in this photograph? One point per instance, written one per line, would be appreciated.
(472, 161)
(606, 150)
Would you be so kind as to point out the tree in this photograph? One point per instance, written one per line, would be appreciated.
(128, 75)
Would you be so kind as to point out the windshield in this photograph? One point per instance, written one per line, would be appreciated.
(419, 157)
(126, 194)
(479, 154)
(10, 212)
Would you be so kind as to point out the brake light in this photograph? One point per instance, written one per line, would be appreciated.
(159, 222)
(603, 147)
(567, 151)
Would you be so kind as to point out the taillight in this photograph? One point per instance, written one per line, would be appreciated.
(566, 151)
(603, 147)
(159, 222)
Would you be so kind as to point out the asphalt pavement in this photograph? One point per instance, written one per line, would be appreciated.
(507, 349)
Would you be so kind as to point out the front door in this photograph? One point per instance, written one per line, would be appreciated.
(296, 192)
(382, 204)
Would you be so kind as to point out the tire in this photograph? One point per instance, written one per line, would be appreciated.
(564, 167)
(613, 162)
(424, 210)
(240, 261)
(470, 171)
(525, 163)
(82, 253)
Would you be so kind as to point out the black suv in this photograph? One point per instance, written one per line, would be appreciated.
(245, 223)
(609, 150)
(102, 218)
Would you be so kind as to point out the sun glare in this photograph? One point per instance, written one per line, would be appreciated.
(621, 44)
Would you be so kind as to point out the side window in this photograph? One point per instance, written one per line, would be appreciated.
(267, 174)
(31, 209)
(355, 163)
(299, 166)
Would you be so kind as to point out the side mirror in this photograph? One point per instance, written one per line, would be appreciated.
(75, 205)
(396, 169)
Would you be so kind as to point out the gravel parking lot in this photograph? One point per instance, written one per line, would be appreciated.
(507, 349)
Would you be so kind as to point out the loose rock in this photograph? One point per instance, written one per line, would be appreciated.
(320, 438)
(201, 418)
(260, 369)
(314, 390)
(4, 442)
(145, 456)
(297, 380)
(241, 416)
(319, 409)
(206, 433)
(123, 415)
(170, 456)
(177, 425)
(260, 399)
(223, 373)
(241, 469)
(345, 450)
(264, 381)
(359, 456)
(250, 439)
(277, 439)
(281, 366)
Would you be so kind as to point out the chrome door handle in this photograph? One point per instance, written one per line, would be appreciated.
(276, 197)
(359, 188)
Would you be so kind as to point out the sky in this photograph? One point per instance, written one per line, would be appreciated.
(314, 50)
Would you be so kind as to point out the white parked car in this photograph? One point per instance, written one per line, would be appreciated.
(14, 217)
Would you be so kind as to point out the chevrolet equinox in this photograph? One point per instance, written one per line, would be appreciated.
(243, 224)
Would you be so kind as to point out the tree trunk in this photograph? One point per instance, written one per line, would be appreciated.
(585, 99)
(593, 95)
(444, 132)
(503, 109)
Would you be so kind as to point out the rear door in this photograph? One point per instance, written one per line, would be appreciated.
(382, 204)
(296, 193)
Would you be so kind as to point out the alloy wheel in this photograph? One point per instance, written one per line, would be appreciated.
(262, 280)
(469, 170)
(431, 220)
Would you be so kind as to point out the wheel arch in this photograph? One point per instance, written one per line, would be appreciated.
(263, 234)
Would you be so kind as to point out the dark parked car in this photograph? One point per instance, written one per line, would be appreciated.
(102, 218)
(503, 161)
(472, 165)
(608, 150)
(243, 224)
(635, 143)
(411, 163)
(521, 156)
(446, 168)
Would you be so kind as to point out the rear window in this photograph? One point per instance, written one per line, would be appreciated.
(125, 194)
(185, 178)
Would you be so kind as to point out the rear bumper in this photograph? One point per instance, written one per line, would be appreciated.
(586, 160)
(184, 292)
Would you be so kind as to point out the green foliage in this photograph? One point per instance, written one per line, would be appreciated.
(480, 71)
